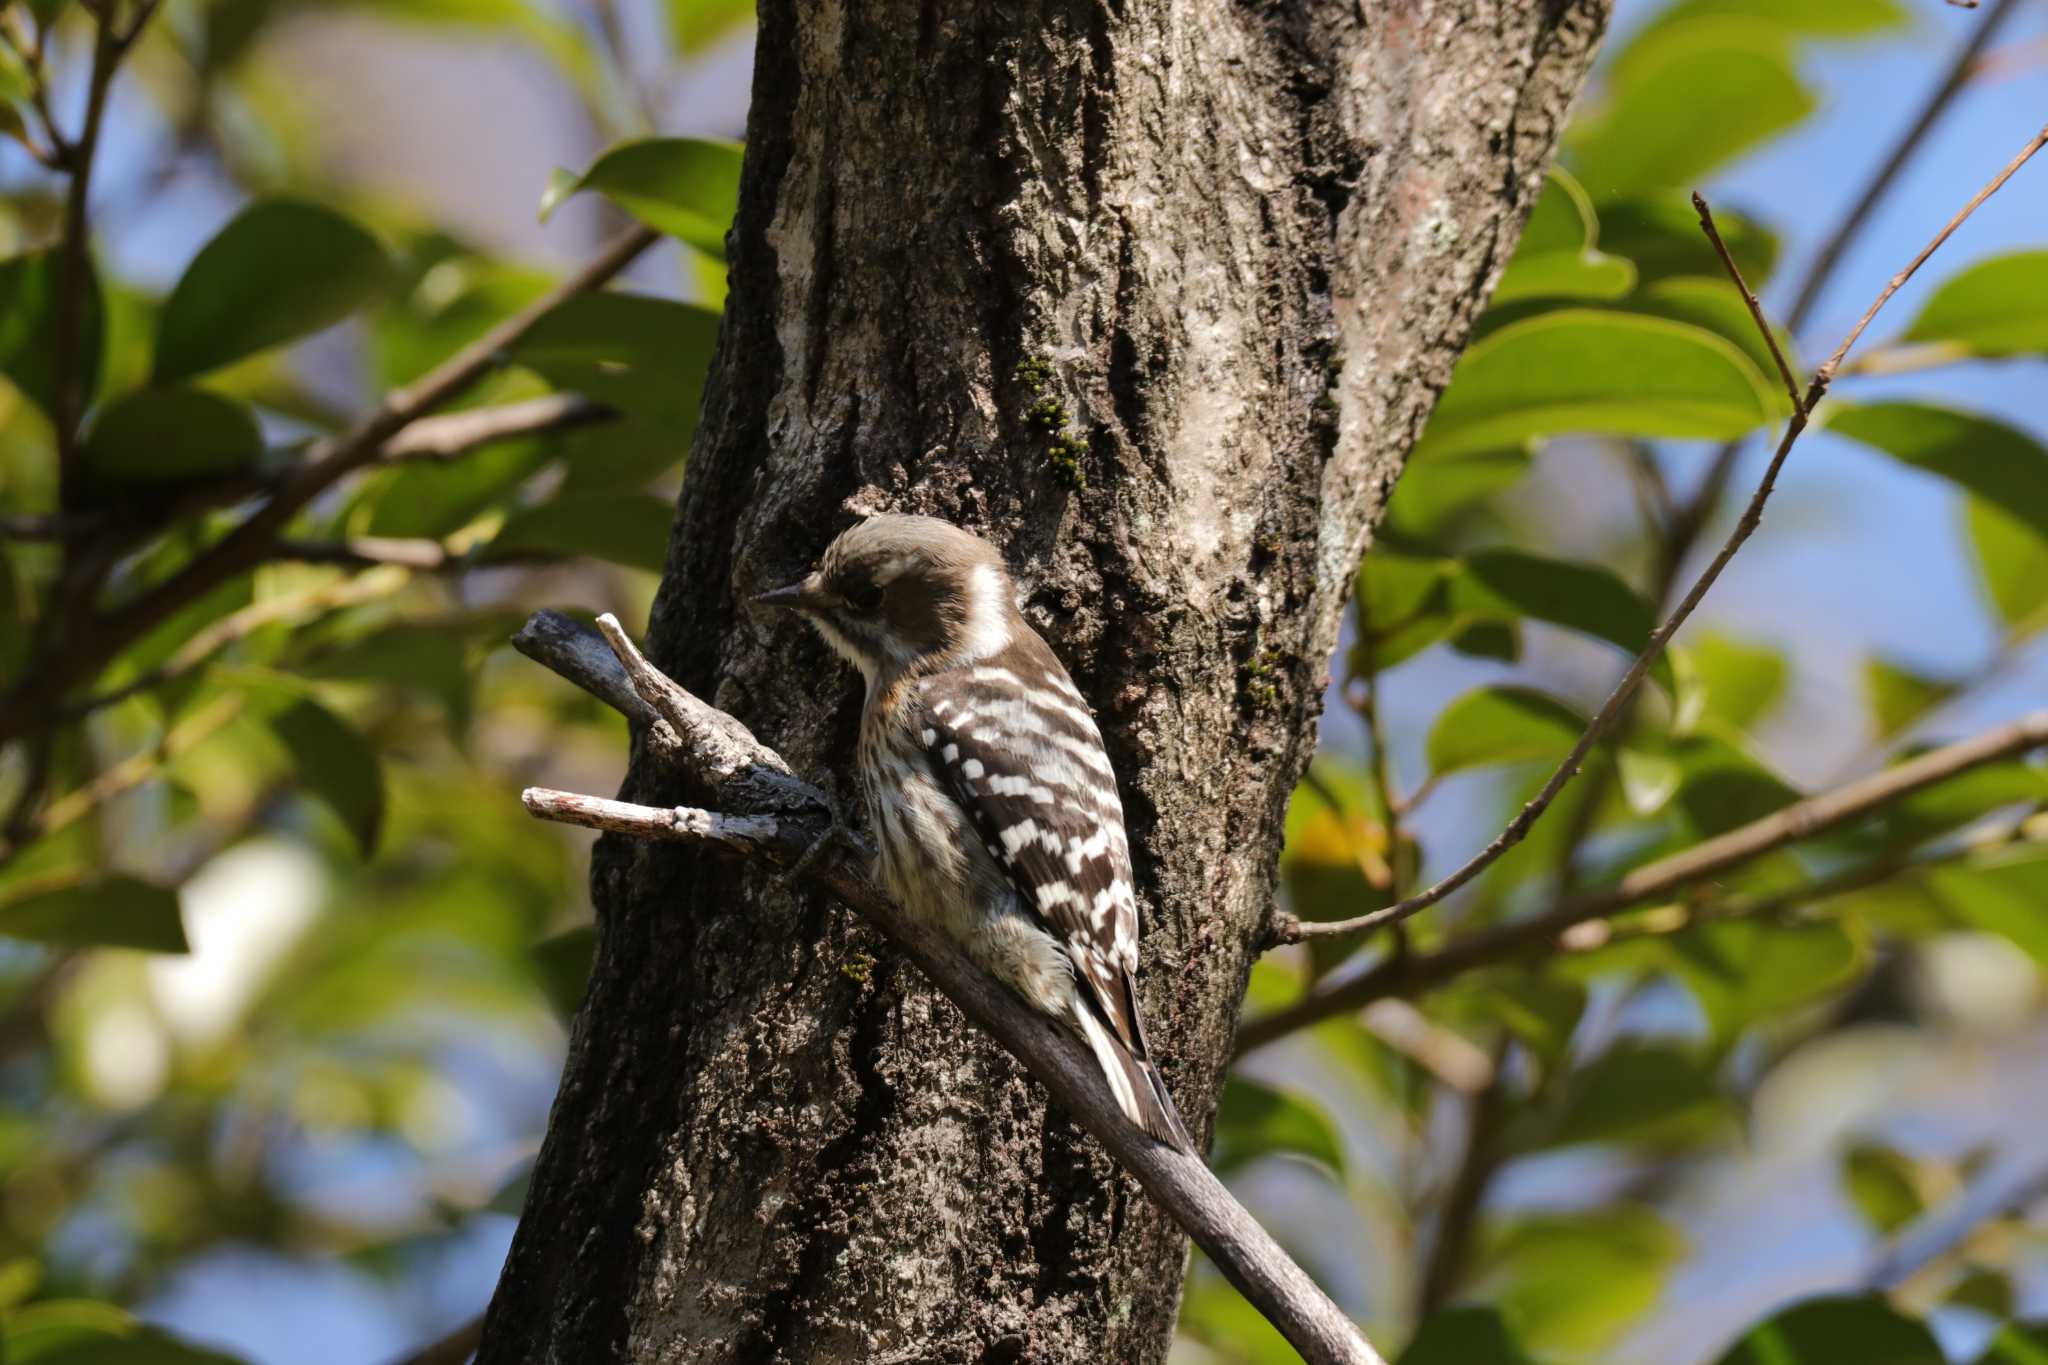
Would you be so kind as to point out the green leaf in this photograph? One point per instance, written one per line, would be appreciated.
(1574, 1281)
(1215, 1314)
(562, 962)
(1831, 1331)
(1643, 1094)
(1661, 234)
(1256, 1120)
(2018, 1343)
(683, 186)
(1745, 971)
(1988, 1291)
(1494, 725)
(425, 657)
(1506, 584)
(1812, 18)
(620, 528)
(88, 1332)
(1648, 780)
(283, 269)
(1711, 303)
(1555, 257)
(1688, 98)
(1880, 1183)
(1998, 463)
(697, 25)
(29, 289)
(641, 354)
(1997, 307)
(116, 912)
(1436, 491)
(2012, 564)
(170, 435)
(1588, 370)
(2003, 895)
(1724, 786)
(1326, 851)
(337, 765)
(1740, 683)
(1465, 1336)
(1898, 696)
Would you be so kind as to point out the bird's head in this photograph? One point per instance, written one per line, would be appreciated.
(900, 593)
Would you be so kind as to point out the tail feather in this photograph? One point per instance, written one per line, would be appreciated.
(1139, 1089)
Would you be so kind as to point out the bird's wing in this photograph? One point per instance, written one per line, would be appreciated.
(1015, 747)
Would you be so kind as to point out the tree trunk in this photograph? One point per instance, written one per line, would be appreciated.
(1212, 262)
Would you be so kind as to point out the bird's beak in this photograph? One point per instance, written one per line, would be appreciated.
(806, 594)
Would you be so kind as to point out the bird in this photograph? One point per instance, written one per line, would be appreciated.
(985, 779)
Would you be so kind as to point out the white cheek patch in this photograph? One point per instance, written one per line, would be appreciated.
(987, 628)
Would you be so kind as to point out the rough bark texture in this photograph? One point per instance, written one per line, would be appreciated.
(1217, 259)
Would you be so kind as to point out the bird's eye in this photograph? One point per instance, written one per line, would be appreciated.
(865, 599)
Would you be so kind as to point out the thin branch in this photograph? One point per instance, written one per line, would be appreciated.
(1756, 310)
(457, 433)
(1941, 1231)
(331, 459)
(1406, 973)
(1292, 930)
(721, 754)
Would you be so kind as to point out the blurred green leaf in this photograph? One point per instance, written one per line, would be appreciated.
(1724, 785)
(168, 435)
(1574, 1281)
(621, 528)
(696, 25)
(29, 289)
(641, 354)
(2004, 894)
(1898, 696)
(683, 186)
(1831, 1331)
(1644, 1094)
(1588, 370)
(1216, 1315)
(1661, 234)
(2012, 564)
(1504, 584)
(1556, 256)
(88, 1332)
(1741, 683)
(1746, 971)
(1541, 1011)
(336, 764)
(1814, 18)
(283, 269)
(1997, 307)
(1998, 463)
(1879, 1181)
(563, 962)
(115, 912)
(1988, 1291)
(1648, 780)
(1327, 850)
(1436, 490)
(1465, 1336)
(1494, 725)
(1255, 1120)
(1687, 98)
(431, 658)
(2017, 1343)
(1711, 304)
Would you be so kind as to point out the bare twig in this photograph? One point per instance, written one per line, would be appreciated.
(720, 753)
(1756, 310)
(330, 460)
(457, 433)
(1291, 930)
(1410, 972)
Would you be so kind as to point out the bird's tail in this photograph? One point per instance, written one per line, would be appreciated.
(1140, 1091)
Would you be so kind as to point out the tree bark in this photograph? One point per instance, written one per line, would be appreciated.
(1215, 261)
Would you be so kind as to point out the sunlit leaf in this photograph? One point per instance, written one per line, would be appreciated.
(1997, 307)
(1556, 256)
(1648, 780)
(1661, 234)
(1255, 1120)
(1998, 463)
(1494, 725)
(2001, 894)
(2012, 564)
(283, 269)
(641, 354)
(1863, 1328)
(115, 912)
(336, 764)
(685, 187)
(696, 25)
(1711, 303)
(621, 528)
(1898, 696)
(1814, 18)
(1588, 370)
(1742, 683)
(30, 286)
(2017, 1343)
(1688, 98)
(1574, 1281)
(168, 435)
(1645, 1094)
(1880, 1183)
(88, 1332)
(1436, 490)
(1744, 971)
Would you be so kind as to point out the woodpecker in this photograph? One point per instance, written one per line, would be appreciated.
(987, 785)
